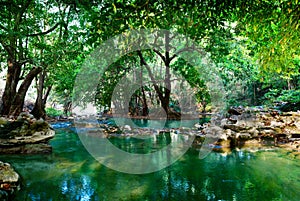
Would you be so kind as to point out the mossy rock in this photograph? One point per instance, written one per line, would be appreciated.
(10, 129)
(22, 127)
(3, 121)
(39, 125)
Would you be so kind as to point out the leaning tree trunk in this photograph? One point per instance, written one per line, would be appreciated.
(18, 100)
(38, 110)
(12, 79)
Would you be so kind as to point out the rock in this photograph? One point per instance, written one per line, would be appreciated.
(25, 115)
(127, 127)
(253, 131)
(294, 137)
(243, 135)
(40, 121)
(257, 126)
(37, 137)
(199, 126)
(236, 110)
(228, 132)
(224, 122)
(234, 127)
(7, 173)
(25, 135)
(3, 121)
(233, 119)
(9, 181)
(276, 124)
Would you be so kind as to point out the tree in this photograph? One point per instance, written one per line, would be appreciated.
(38, 38)
(196, 20)
(55, 56)
(18, 30)
(275, 32)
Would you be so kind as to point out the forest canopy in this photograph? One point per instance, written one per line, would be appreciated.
(253, 44)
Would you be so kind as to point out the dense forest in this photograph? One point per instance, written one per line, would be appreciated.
(253, 44)
(149, 100)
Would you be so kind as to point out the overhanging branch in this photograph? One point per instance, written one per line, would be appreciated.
(45, 32)
(160, 54)
(182, 50)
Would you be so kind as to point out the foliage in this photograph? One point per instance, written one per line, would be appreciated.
(51, 112)
(276, 95)
(254, 44)
(292, 96)
(275, 32)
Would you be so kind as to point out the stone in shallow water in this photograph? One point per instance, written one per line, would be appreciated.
(9, 181)
(40, 148)
(7, 173)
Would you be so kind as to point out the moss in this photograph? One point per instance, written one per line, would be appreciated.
(22, 127)
(3, 121)
(39, 126)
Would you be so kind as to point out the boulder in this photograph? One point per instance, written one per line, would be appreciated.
(257, 126)
(9, 181)
(235, 110)
(25, 135)
(37, 137)
(234, 127)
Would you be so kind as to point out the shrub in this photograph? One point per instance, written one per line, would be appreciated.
(51, 112)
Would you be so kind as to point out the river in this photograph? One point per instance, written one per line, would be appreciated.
(71, 173)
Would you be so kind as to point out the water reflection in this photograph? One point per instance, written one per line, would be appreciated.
(70, 173)
(81, 190)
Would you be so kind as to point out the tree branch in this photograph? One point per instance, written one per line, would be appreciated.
(143, 62)
(45, 32)
(7, 48)
(180, 51)
(160, 54)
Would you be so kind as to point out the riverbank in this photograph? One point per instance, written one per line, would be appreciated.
(244, 127)
(246, 131)
(71, 173)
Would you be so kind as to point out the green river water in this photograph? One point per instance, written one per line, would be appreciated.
(71, 173)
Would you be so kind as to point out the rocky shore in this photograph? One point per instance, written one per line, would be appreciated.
(240, 127)
(25, 135)
(253, 127)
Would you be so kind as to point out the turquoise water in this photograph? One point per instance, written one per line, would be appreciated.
(70, 173)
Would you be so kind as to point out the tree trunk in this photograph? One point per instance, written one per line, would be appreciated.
(12, 79)
(39, 107)
(18, 100)
(67, 107)
(145, 106)
(164, 97)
